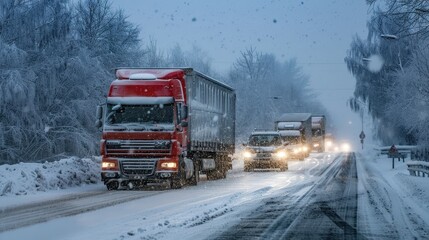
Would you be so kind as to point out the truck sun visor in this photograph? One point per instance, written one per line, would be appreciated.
(140, 100)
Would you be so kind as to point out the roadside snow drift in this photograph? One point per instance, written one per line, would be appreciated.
(26, 178)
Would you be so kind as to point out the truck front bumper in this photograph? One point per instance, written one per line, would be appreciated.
(141, 171)
(266, 164)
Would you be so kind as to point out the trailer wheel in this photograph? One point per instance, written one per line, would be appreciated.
(218, 173)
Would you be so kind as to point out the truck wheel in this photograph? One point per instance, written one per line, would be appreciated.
(220, 170)
(178, 180)
(215, 174)
(284, 168)
(113, 185)
(176, 183)
(247, 168)
(196, 178)
(218, 173)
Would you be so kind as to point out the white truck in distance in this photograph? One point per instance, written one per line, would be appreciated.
(295, 128)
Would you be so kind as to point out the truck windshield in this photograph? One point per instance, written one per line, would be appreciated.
(291, 139)
(264, 140)
(140, 114)
(316, 132)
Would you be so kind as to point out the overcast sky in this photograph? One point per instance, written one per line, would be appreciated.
(315, 32)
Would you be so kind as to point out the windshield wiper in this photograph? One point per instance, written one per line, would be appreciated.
(135, 126)
(116, 128)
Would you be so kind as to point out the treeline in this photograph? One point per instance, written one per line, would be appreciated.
(56, 60)
(56, 63)
(265, 87)
(397, 96)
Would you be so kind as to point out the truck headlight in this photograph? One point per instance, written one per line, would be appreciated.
(168, 165)
(316, 145)
(109, 164)
(280, 154)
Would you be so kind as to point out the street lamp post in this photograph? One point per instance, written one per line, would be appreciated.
(391, 37)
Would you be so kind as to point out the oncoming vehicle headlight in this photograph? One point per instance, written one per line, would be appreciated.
(305, 149)
(316, 145)
(247, 154)
(280, 154)
(168, 165)
(297, 150)
(345, 147)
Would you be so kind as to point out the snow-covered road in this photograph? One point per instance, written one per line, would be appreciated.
(326, 196)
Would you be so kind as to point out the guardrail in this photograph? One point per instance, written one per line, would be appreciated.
(417, 168)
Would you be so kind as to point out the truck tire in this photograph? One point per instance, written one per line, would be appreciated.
(216, 174)
(113, 185)
(221, 169)
(196, 178)
(178, 180)
(284, 168)
(248, 168)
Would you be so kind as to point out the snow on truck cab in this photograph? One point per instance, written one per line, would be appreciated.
(265, 149)
(164, 126)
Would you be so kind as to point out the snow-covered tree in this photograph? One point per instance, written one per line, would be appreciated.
(53, 74)
(395, 93)
(266, 89)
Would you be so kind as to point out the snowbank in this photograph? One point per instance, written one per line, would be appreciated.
(29, 178)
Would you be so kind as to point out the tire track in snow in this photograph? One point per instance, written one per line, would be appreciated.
(278, 213)
(26, 215)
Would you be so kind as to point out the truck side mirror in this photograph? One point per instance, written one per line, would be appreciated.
(184, 111)
(184, 124)
(98, 123)
(99, 116)
(99, 112)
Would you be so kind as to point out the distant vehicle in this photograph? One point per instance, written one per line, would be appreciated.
(165, 125)
(288, 125)
(318, 125)
(329, 142)
(265, 149)
(293, 144)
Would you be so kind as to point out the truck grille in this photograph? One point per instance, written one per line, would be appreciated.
(263, 156)
(138, 166)
(140, 147)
